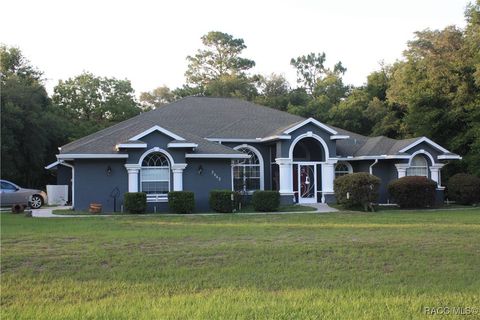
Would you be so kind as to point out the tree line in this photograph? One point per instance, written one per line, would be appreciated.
(433, 91)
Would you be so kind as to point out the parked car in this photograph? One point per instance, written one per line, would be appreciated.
(11, 194)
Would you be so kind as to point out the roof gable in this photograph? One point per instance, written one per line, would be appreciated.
(159, 129)
(426, 140)
(312, 121)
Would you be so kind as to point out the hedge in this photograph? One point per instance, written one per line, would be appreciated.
(221, 200)
(357, 190)
(266, 201)
(464, 188)
(135, 202)
(182, 202)
(413, 192)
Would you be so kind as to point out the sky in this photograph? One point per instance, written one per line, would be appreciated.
(147, 41)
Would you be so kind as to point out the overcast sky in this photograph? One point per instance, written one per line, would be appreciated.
(147, 41)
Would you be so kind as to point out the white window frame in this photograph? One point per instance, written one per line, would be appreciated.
(261, 164)
(423, 157)
(349, 168)
(156, 196)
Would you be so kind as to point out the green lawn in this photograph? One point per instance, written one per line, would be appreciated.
(385, 265)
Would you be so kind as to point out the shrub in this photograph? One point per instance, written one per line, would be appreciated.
(135, 202)
(266, 200)
(223, 200)
(464, 188)
(181, 201)
(413, 192)
(357, 190)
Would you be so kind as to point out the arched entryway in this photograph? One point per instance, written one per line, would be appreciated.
(308, 153)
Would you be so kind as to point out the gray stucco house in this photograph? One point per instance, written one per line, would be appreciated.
(200, 143)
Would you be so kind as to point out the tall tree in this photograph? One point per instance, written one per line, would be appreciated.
(29, 129)
(93, 103)
(275, 91)
(220, 57)
(156, 98)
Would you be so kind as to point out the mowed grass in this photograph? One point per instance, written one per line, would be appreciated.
(387, 265)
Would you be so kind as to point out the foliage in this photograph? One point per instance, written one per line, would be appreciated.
(357, 190)
(135, 202)
(220, 57)
(156, 98)
(267, 201)
(464, 188)
(92, 103)
(182, 202)
(222, 200)
(413, 192)
(30, 130)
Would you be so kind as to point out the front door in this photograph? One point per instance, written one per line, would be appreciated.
(307, 183)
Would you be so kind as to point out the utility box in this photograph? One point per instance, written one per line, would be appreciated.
(57, 195)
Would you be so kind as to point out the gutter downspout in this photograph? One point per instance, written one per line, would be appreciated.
(73, 180)
(371, 167)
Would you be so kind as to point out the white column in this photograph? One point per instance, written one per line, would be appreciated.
(328, 175)
(133, 170)
(435, 174)
(401, 169)
(286, 178)
(177, 170)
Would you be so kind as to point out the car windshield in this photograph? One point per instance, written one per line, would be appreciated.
(7, 186)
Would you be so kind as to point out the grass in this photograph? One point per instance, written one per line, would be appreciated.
(386, 265)
(247, 209)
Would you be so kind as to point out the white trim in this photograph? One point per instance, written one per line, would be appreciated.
(349, 167)
(157, 128)
(66, 156)
(156, 149)
(423, 152)
(269, 138)
(425, 139)
(313, 121)
(131, 145)
(370, 168)
(260, 160)
(216, 156)
(53, 164)
(308, 135)
(182, 145)
(383, 157)
(71, 166)
(339, 137)
(448, 156)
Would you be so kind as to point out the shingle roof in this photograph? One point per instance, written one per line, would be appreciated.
(197, 118)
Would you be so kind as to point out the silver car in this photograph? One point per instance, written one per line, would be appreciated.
(11, 194)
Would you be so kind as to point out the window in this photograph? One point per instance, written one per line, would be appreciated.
(8, 186)
(418, 166)
(342, 168)
(246, 172)
(155, 174)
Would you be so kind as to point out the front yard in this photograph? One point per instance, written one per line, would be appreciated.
(386, 265)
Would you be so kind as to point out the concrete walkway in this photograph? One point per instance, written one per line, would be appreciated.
(46, 212)
(321, 207)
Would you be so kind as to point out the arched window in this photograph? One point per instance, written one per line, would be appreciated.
(246, 173)
(418, 166)
(342, 168)
(155, 174)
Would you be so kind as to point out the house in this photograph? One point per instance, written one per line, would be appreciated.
(202, 143)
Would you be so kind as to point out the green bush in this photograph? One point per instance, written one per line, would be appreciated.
(266, 200)
(181, 201)
(357, 190)
(413, 192)
(464, 188)
(135, 202)
(221, 200)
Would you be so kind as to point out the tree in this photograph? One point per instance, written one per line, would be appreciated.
(311, 69)
(220, 58)
(92, 103)
(156, 98)
(275, 91)
(29, 129)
